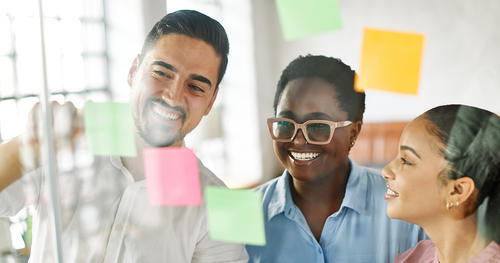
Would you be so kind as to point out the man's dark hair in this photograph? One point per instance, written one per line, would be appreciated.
(192, 24)
(331, 70)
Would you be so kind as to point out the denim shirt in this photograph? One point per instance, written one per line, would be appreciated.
(360, 231)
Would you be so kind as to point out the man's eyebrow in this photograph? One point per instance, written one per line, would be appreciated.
(201, 79)
(408, 148)
(165, 65)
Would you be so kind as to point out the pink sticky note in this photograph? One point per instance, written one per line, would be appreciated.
(172, 176)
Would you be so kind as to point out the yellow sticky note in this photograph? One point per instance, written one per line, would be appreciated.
(390, 61)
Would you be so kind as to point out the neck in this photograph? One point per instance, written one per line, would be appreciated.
(456, 240)
(135, 164)
(325, 190)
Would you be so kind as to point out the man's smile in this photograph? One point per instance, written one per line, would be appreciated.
(165, 112)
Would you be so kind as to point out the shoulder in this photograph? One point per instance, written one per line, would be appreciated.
(424, 251)
(489, 254)
(207, 177)
(370, 177)
(268, 188)
(269, 185)
(373, 175)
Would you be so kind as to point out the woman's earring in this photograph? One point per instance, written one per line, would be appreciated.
(450, 204)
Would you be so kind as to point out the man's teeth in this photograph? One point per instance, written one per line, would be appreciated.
(167, 114)
(304, 156)
(390, 192)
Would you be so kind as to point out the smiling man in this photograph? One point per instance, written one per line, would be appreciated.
(106, 215)
(174, 83)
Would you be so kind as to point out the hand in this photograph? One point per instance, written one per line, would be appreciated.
(66, 127)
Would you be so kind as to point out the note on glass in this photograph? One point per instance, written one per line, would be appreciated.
(172, 176)
(301, 18)
(110, 128)
(235, 215)
(390, 61)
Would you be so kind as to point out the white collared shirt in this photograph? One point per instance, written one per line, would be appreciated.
(106, 216)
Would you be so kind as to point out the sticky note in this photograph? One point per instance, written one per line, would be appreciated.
(172, 176)
(235, 215)
(301, 18)
(109, 128)
(390, 61)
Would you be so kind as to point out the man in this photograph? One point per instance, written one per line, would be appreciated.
(174, 83)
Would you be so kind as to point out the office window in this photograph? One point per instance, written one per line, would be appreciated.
(76, 52)
(77, 68)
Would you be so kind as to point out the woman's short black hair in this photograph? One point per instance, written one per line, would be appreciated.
(331, 70)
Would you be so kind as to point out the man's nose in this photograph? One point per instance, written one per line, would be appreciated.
(173, 93)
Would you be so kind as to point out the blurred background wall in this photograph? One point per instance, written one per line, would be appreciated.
(461, 64)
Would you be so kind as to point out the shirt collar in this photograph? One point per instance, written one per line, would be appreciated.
(116, 161)
(281, 199)
(356, 189)
(355, 194)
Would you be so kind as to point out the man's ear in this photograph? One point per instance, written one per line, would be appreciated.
(461, 190)
(133, 70)
(212, 100)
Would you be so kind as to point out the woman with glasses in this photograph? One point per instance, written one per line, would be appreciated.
(325, 207)
(446, 178)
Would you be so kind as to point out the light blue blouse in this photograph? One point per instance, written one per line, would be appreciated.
(360, 231)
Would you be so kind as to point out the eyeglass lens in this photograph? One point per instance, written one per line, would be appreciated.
(317, 132)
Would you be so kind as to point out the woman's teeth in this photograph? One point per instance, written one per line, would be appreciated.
(304, 156)
(391, 193)
(165, 113)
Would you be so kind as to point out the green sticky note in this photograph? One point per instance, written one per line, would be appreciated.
(235, 215)
(301, 18)
(110, 128)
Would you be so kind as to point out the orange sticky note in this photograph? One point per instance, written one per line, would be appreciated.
(390, 61)
(172, 176)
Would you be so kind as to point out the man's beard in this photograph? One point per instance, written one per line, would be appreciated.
(152, 134)
(158, 142)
